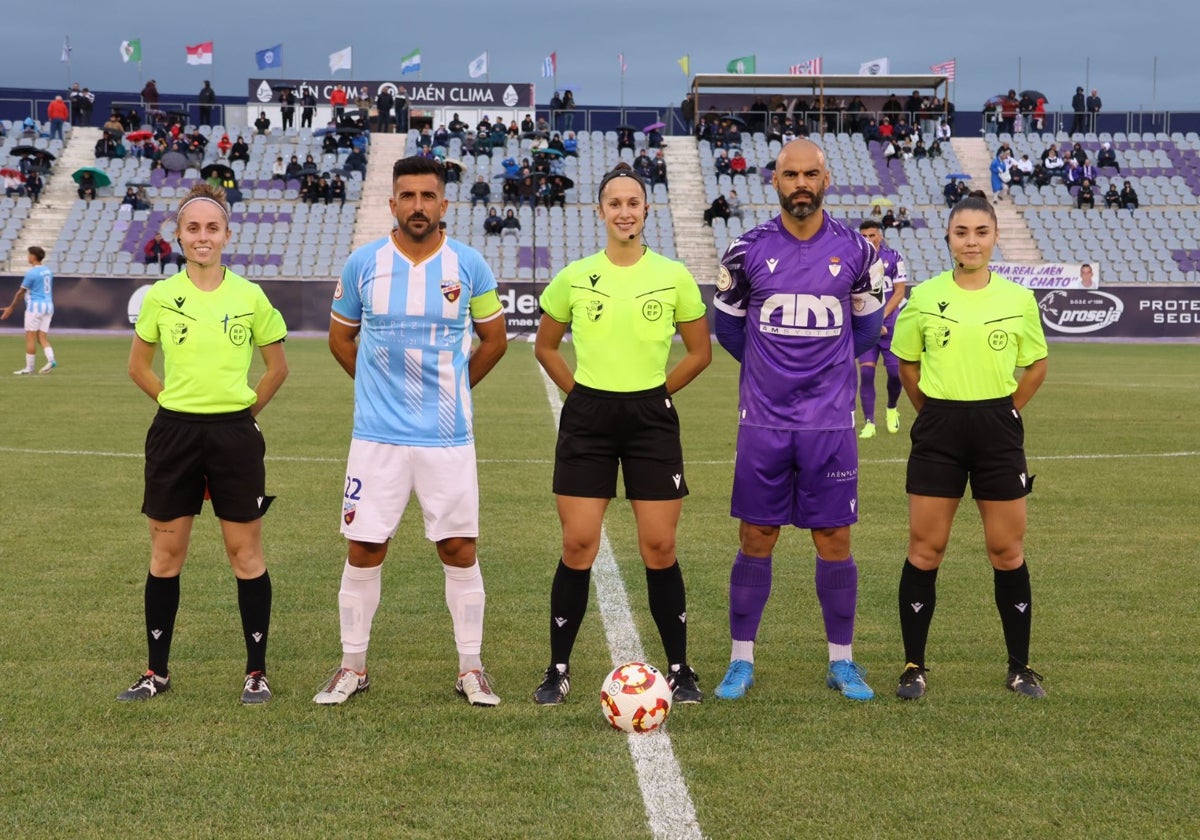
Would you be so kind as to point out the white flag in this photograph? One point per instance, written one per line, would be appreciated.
(478, 67)
(340, 60)
(874, 67)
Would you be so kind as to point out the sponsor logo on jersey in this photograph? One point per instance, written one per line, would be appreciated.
(595, 278)
(771, 263)
(179, 301)
(338, 291)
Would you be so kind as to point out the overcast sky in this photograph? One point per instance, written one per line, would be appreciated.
(1052, 47)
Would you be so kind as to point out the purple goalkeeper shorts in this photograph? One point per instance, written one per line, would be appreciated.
(804, 478)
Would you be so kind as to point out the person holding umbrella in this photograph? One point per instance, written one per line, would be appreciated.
(205, 440)
(87, 185)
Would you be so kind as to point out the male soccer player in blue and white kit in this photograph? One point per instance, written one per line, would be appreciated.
(38, 290)
(895, 279)
(412, 300)
(797, 300)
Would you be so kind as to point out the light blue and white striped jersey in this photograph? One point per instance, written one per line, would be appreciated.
(411, 385)
(39, 280)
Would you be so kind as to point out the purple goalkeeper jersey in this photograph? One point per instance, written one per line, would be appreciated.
(797, 299)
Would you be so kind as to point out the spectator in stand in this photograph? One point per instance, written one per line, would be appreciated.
(356, 161)
(1107, 158)
(721, 163)
(1129, 197)
(1041, 176)
(1038, 118)
(75, 98)
(556, 143)
(643, 166)
(337, 190)
(935, 149)
(950, 192)
(719, 209)
(481, 191)
(308, 190)
(293, 169)
(401, 107)
(734, 203)
(1025, 107)
(13, 185)
(150, 94)
(568, 109)
(511, 222)
(441, 137)
(514, 129)
(240, 150)
(33, 186)
(493, 225)
(87, 186)
(889, 220)
(733, 135)
(654, 138)
(308, 107)
(469, 146)
(57, 113)
(1008, 112)
(384, 103)
(902, 218)
(1055, 166)
(738, 165)
(1071, 176)
(329, 143)
(558, 191)
(902, 131)
(224, 145)
(625, 139)
(1112, 199)
(279, 169)
(158, 250)
(287, 108)
(1079, 107)
(425, 138)
(1093, 108)
(913, 106)
(1085, 198)
(1078, 153)
(207, 98)
(659, 173)
(1088, 170)
(262, 125)
(322, 190)
(891, 151)
(1025, 167)
(570, 145)
(130, 199)
(338, 100)
(920, 152)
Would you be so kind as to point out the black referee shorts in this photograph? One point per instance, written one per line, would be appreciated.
(639, 430)
(189, 453)
(982, 442)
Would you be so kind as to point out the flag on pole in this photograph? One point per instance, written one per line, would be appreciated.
(200, 54)
(550, 65)
(66, 50)
(411, 63)
(812, 67)
(874, 67)
(131, 50)
(621, 62)
(685, 65)
(341, 60)
(478, 67)
(945, 68)
(745, 64)
(270, 57)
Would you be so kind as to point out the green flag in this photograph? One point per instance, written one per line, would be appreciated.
(131, 50)
(745, 64)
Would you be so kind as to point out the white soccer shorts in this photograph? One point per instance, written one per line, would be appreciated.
(381, 477)
(37, 321)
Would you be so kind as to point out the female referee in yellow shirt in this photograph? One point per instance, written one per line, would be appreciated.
(623, 306)
(959, 340)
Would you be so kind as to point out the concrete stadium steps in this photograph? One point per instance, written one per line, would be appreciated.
(1016, 240)
(374, 219)
(45, 223)
(694, 241)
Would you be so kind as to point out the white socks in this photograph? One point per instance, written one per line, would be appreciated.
(357, 601)
(742, 650)
(465, 599)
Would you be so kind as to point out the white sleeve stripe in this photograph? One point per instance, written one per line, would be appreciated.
(727, 309)
(342, 320)
(491, 317)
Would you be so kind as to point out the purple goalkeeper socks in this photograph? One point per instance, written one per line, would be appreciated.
(837, 590)
(749, 589)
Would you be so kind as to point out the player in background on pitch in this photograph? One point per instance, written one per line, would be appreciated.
(798, 299)
(38, 290)
(404, 314)
(895, 279)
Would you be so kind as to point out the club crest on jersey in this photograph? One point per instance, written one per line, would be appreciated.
(451, 289)
(348, 510)
(179, 333)
(724, 279)
(835, 266)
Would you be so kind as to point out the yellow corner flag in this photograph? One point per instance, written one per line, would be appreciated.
(684, 65)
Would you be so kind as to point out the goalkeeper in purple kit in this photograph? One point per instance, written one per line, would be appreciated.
(798, 299)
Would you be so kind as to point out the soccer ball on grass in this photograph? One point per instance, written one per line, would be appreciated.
(635, 697)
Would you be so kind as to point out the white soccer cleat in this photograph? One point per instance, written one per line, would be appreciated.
(49, 366)
(476, 686)
(341, 686)
(23, 372)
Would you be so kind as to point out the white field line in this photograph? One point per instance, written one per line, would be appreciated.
(669, 807)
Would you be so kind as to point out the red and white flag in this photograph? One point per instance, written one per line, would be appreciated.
(946, 68)
(812, 67)
(200, 54)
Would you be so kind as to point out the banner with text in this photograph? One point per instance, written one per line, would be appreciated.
(1051, 275)
(419, 95)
